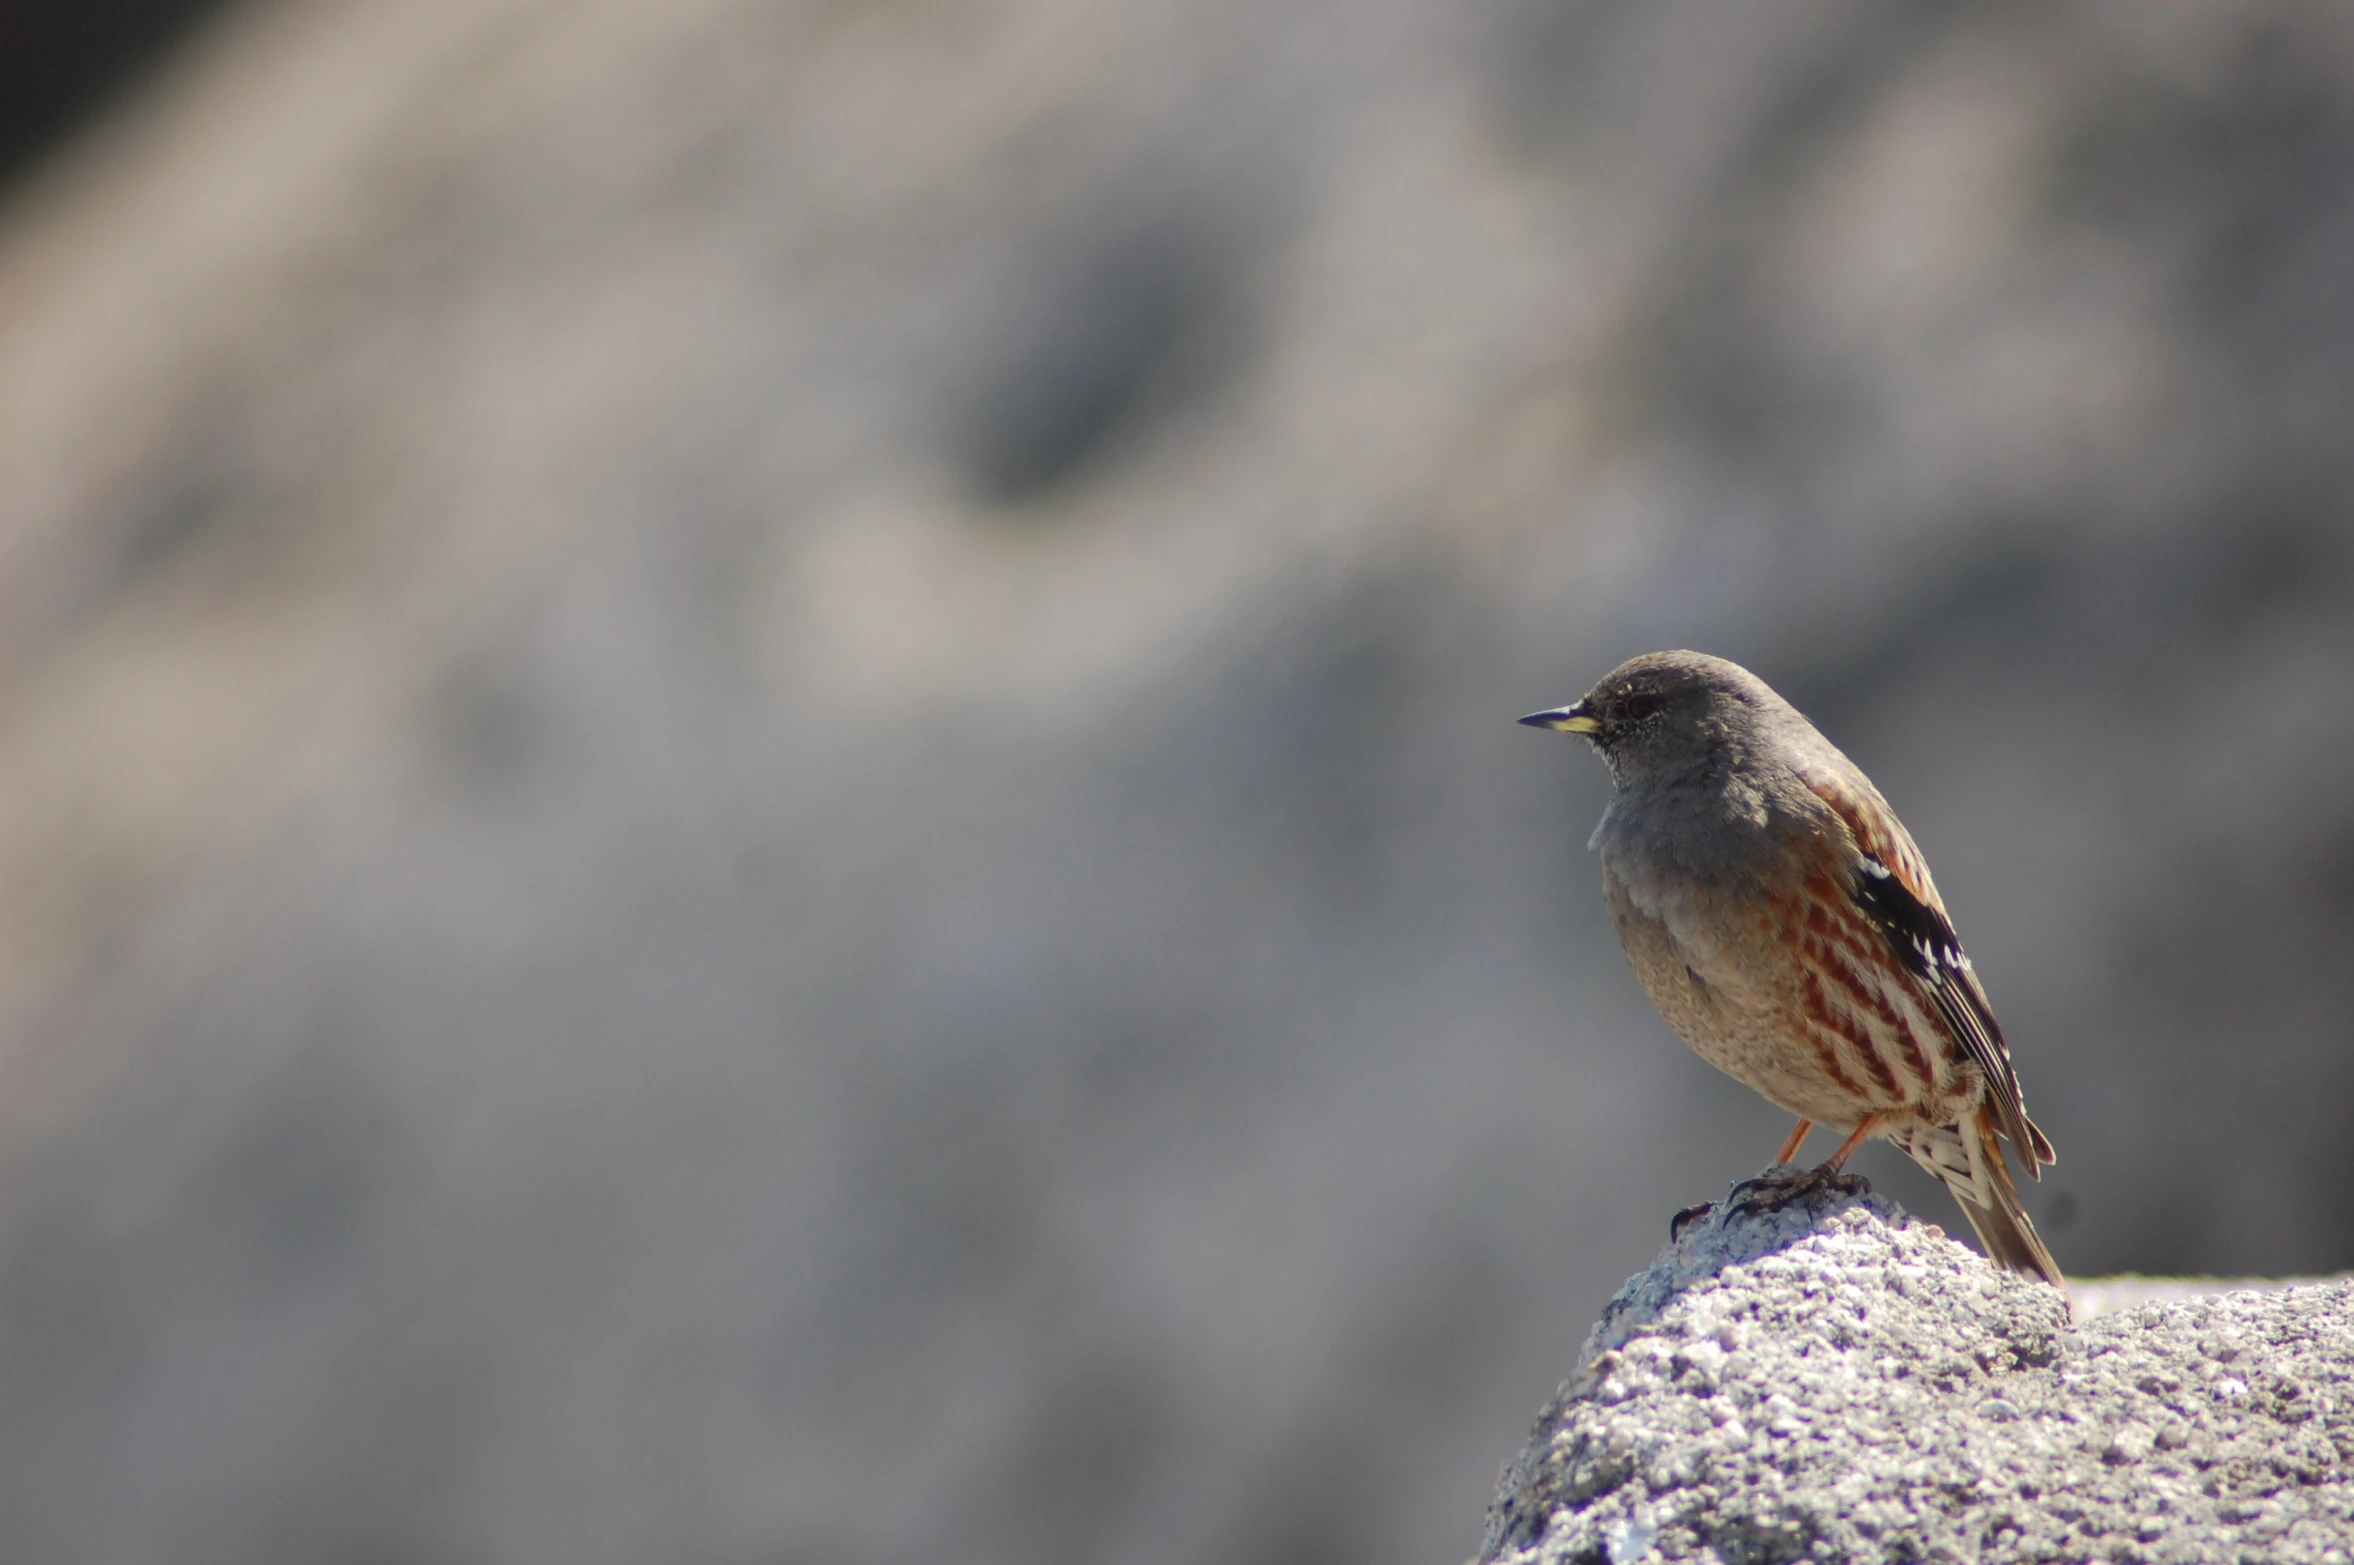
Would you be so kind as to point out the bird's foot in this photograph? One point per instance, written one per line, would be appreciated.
(1686, 1218)
(1772, 1191)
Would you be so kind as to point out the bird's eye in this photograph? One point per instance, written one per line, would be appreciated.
(1639, 707)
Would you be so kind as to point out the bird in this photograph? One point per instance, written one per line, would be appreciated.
(1784, 923)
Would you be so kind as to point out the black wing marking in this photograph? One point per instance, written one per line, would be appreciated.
(1923, 939)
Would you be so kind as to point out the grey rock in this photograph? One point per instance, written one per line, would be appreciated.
(1839, 1381)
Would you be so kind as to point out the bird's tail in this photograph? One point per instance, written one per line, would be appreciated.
(1968, 1161)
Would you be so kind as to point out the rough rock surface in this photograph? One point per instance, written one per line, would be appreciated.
(1842, 1382)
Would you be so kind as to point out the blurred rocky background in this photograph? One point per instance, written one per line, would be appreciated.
(757, 788)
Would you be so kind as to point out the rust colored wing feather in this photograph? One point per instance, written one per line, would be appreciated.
(1891, 886)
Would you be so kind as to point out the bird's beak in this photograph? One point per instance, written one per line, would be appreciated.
(1567, 720)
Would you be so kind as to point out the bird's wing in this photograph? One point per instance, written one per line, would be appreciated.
(1891, 886)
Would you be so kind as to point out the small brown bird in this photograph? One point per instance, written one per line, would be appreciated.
(1785, 925)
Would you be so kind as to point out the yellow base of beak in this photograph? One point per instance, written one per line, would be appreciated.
(1568, 720)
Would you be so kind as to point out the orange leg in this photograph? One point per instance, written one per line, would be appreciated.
(1847, 1147)
(1789, 1152)
(1771, 1192)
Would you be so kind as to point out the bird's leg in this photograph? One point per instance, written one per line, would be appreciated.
(1847, 1148)
(1772, 1193)
(1789, 1152)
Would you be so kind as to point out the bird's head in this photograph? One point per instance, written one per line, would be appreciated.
(1665, 711)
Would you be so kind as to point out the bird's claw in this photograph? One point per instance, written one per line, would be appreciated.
(1686, 1218)
(1772, 1192)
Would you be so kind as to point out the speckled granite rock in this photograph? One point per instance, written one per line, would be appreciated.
(1846, 1383)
